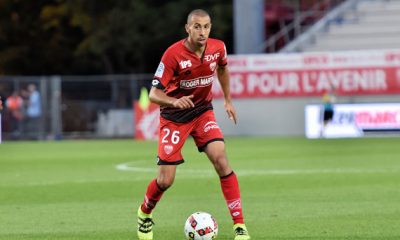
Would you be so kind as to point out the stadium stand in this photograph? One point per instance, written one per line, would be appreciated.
(354, 25)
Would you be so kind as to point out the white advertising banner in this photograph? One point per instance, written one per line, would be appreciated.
(352, 120)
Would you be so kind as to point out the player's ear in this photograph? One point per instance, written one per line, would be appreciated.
(187, 27)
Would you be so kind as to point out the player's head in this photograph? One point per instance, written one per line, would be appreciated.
(198, 27)
(31, 87)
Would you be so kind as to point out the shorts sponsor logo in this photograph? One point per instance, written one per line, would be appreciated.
(168, 149)
(210, 125)
(160, 70)
(234, 204)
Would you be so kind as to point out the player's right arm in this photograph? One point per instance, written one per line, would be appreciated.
(159, 97)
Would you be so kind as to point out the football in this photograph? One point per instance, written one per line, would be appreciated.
(201, 226)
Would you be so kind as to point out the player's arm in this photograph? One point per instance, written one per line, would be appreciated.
(1, 104)
(223, 77)
(159, 97)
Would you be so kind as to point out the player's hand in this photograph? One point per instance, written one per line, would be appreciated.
(184, 102)
(1, 104)
(230, 110)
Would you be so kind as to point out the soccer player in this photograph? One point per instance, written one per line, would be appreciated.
(182, 87)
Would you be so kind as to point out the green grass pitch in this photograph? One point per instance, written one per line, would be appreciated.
(292, 188)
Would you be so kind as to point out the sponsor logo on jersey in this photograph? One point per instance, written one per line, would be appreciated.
(234, 204)
(213, 65)
(210, 125)
(168, 149)
(198, 82)
(160, 70)
(185, 64)
(211, 57)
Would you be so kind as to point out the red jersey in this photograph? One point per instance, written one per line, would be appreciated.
(182, 73)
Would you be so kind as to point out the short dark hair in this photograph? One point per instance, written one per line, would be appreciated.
(198, 12)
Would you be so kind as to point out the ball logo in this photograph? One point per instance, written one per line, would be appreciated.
(168, 149)
(204, 231)
(210, 125)
(193, 222)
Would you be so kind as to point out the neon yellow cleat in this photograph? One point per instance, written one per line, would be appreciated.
(145, 225)
(240, 231)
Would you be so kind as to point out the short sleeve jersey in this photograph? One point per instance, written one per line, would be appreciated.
(182, 73)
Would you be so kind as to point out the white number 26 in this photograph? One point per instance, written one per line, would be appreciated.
(174, 136)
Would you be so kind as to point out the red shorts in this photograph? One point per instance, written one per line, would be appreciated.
(204, 129)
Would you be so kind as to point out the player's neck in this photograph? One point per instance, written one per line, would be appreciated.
(193, 48)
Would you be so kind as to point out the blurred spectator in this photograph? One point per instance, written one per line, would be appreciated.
(15, 104)
(328, 100)
(33, 112)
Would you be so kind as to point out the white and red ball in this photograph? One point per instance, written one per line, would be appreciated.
(201, 226)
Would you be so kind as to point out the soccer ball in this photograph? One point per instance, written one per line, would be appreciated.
(201, 226)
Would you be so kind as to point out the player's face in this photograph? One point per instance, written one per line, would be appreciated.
(198, 28)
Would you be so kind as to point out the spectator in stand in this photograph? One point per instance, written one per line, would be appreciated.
(15, 105)
(33, 112)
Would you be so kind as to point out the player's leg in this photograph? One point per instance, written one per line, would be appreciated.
(230, 187)
(154, 192)
(171, 140)
(157, 187)
(209, 139)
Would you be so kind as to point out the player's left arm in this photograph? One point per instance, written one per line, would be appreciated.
(223, 77)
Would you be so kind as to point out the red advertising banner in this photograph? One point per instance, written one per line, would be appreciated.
(146, 121)
(312, 74)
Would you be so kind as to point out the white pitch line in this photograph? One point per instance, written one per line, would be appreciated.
(251, 172)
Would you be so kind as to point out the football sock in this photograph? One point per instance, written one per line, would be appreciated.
(231, 191)
(153, 195)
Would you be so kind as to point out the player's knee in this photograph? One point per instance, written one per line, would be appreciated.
(220, 160)
(221, 165)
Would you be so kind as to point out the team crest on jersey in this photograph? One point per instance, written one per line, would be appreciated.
(160, 70)
(168, 149)
(213, 65)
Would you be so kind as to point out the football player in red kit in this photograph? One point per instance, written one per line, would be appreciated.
(182, 87)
